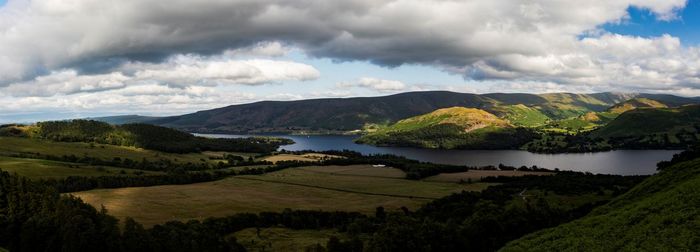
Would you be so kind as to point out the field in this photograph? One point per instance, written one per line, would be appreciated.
(44, 169)
(16, 145)
(284, 239)
(476, 175)
(309, 157)
(311, 188)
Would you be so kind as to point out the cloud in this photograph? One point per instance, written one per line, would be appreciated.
(375, 84)
(607, 62)
(147, 99)
(181, 71)
(67, 82)
(184, 70)
(37, 37)
(261, 49)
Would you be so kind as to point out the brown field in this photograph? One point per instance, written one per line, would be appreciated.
(291, 188)
(357, 170)
(308, 157)
(476, 175)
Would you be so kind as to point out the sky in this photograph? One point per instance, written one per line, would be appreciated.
(64, 59)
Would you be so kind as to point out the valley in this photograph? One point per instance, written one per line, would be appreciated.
(271, 192)
(349, 126)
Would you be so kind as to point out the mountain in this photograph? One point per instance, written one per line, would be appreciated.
(592, 120)
(336, 115)
(124, 119)
(635, 103)
(652, 121)
(451, 128)
(660, 214)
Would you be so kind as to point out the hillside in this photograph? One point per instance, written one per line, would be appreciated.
(124, 119)
(595, 119)
(451, 128)
(644, 122)
(634, 104)
(470, 119)
(137, 135)
(660, 214)
(521, 115)
(345, 114)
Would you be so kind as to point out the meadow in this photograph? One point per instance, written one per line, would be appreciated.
(17, 145)
(295, 188)
(46, 169)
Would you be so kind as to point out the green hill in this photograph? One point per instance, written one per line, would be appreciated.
(595, 119)
(634, 104)
(521, 115)
(138, 135)
(660, 214)
(652, 121)
(451, 128)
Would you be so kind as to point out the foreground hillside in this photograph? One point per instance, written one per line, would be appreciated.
(660, 214)
(347, 114)
(451, 128)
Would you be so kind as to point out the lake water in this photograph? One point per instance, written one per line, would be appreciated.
(622, 162)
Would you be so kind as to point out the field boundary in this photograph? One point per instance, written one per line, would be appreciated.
(338, 190)
(348, 175)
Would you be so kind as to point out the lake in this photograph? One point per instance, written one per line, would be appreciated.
(622, 162)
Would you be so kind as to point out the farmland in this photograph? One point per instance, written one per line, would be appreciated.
(296, 188)
(45, 169)
(17, 145)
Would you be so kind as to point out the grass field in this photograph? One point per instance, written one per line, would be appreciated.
(284, 239)
(14, 145)
(476, 175)
(308, 157)
(44, 169)
(292, 188)
(357, 170)
(367, 179)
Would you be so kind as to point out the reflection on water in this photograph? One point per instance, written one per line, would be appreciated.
(623, 162)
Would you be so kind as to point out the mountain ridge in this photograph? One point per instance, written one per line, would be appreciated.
(337, 115)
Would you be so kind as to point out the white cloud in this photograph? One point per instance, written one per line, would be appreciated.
(261, 49)
(186, 70)
(375, 84)
(46, 35)
(67, 82)
(182, 71)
